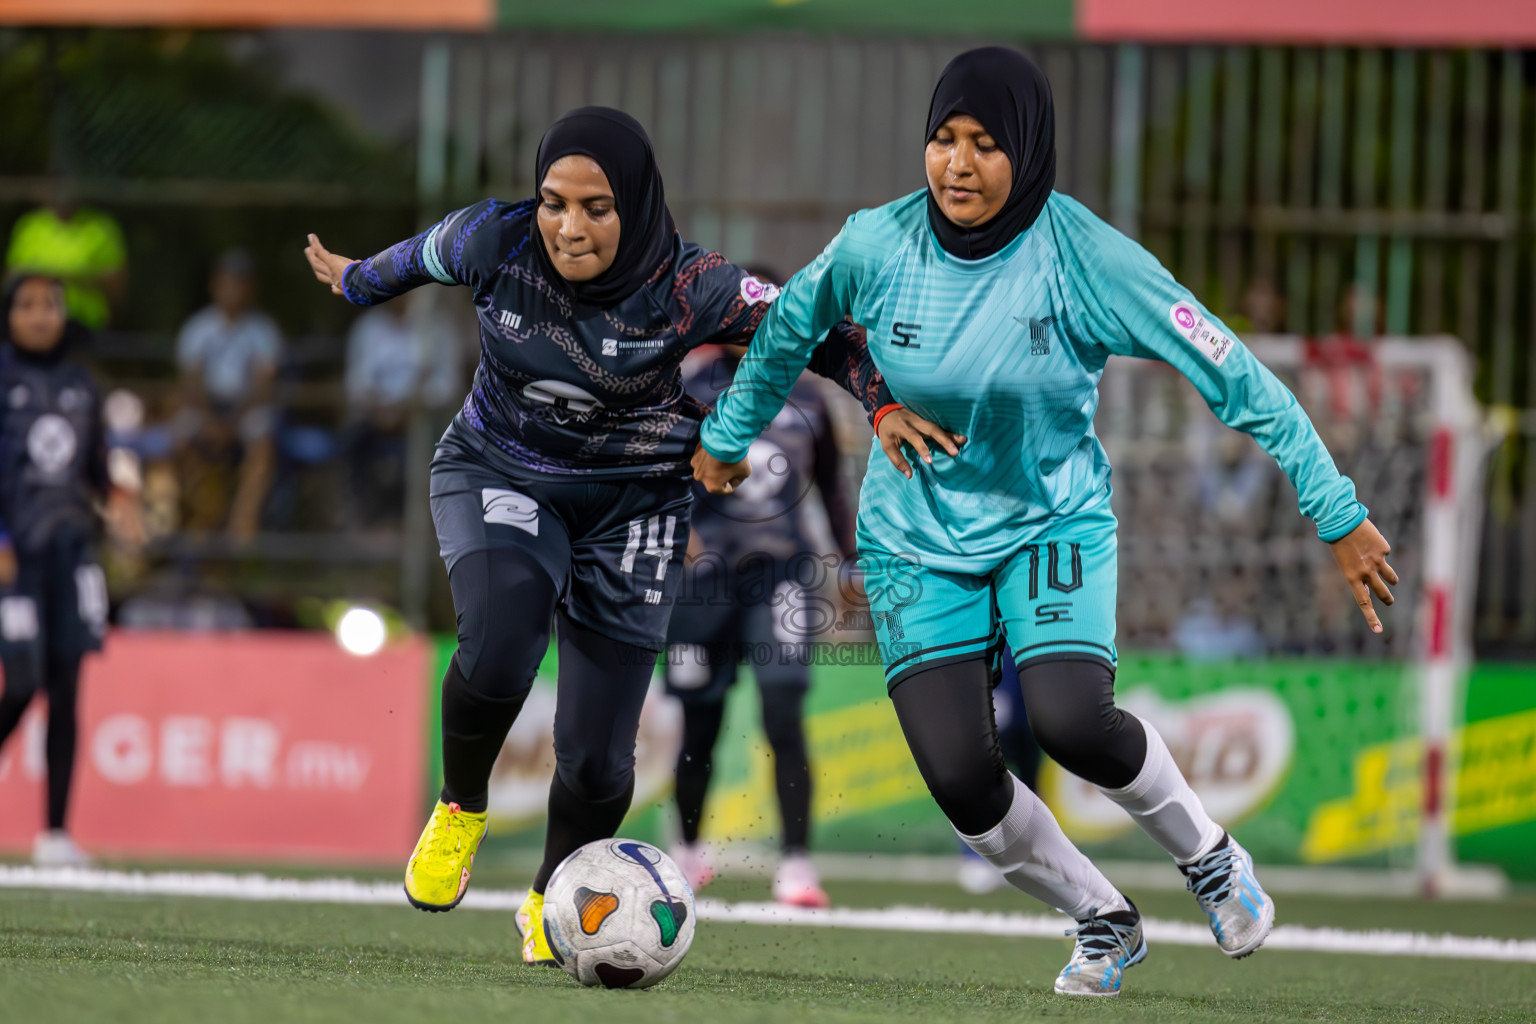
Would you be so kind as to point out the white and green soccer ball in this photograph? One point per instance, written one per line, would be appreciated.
(618, 913)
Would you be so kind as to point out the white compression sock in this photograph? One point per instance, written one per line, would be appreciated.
(1162, 803)
(1036, 857)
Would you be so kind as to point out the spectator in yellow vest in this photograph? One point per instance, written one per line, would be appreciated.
(80, 246)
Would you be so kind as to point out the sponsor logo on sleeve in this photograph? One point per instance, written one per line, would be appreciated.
(510, 508)
(1212, 342)
(754, 291)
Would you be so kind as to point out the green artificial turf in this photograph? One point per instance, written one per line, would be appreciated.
(82, 957)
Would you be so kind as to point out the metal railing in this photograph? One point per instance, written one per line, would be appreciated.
(1305, 190)
(1296, 190)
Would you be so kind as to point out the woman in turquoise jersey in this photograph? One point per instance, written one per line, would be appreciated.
(992, 304)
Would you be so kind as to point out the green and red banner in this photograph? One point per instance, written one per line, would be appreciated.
(1309, 761)
(1375, 22)
(252, 747)
(231, 747)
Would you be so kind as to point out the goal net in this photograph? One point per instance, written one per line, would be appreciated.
(1216, 564)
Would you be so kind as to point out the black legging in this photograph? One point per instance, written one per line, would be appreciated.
(946, 714)
(505, 602)
(61, 682)
(783, 723)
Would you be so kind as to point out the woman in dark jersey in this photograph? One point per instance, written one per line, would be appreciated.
(562, 487)
(53, 480)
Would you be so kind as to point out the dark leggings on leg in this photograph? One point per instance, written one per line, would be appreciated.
(21, 685)
(63, 685)
(701, 728)
(61, 681)
(783, 722)
(1071, 707)
(603, 683)
(946, 714)
(504, 599)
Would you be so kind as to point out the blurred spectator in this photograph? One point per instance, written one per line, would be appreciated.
(80, 246)
(1233, 480)
(1211, 632)
(1360, 312)
(176, 605)
(1342, 378)
(228, 354)
(1262, 310)
(386, 367)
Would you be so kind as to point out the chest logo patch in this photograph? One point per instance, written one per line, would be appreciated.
(1194, 328)
(510, 508)
(754, 291)
(51, 443)
(906, 335)
(564, 402)
(1039, 333)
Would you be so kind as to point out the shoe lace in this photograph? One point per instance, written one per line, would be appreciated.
(1210, 877)
(449, 832)
(1098, 937)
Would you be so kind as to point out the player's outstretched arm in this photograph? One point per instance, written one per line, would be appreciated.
(896, 429)
(1362, 557)
(465, 248)
(813, 301)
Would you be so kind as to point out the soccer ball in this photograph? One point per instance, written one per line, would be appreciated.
(618, 913)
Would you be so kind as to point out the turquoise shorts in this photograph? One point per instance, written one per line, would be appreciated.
(1053, 599)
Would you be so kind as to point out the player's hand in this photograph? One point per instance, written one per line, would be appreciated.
(328, 267)
(7, 564)
(905, 427)
(716, 476)
(1362, 557)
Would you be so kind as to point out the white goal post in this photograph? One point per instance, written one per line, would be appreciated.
(1208, 522)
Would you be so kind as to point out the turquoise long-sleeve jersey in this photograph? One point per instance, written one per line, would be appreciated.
(1008, 351)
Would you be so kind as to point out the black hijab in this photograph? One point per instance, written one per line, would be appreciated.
(622, 149)
(73, 335)
(1003, 90)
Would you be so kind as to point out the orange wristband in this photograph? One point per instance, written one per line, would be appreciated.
(880, 415)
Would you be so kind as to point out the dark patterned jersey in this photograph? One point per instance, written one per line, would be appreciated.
(764, 515)
(567, 389)
(53, 455)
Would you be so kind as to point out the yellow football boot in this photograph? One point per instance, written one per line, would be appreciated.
(438, 873)
(530, 925)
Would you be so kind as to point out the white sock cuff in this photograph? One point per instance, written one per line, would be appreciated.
(999, 837)
(1151, 768)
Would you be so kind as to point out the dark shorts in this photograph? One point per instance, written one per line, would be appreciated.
(613, 547)
(761, 617)
(57, 607)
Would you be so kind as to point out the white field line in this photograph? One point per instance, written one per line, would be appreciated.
(261, 888)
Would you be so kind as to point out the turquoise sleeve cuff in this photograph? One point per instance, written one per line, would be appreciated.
(1338, 529)
(716, 446)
